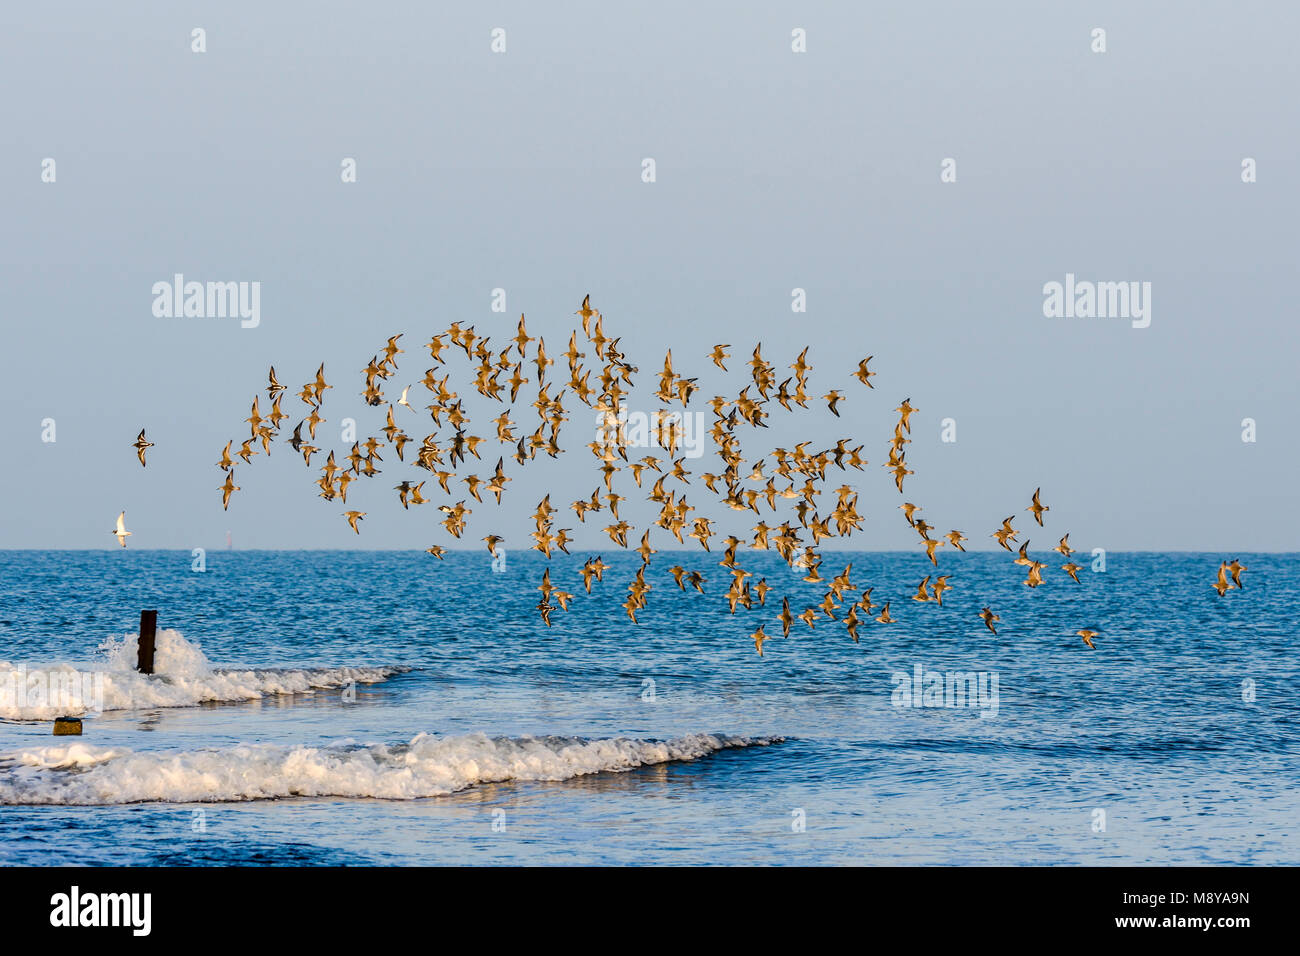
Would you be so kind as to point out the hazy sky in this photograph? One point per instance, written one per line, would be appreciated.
(775, 170)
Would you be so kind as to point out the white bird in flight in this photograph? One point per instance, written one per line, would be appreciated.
(120, 531)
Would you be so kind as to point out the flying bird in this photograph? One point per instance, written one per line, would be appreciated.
(906, 411)
(1037, 507)
(228, 489)
(1222, 584)
(140, 444)
(586, 311)
(1005, 534)
(940, 585)
(120, 531)
(862, 374)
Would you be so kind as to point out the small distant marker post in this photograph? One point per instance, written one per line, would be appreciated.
(148, 629)
(67, 726)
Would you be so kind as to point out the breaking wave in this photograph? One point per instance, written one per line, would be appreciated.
(183, 677)
(427, 766)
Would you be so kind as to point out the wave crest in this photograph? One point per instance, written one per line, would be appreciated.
(427, 766)
(183, 677)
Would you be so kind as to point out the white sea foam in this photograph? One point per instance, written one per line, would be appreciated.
(82, 774)
(183, 676)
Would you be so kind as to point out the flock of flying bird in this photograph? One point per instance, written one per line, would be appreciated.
(794, 475)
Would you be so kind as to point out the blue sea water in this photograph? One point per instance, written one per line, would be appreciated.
(1176, 741)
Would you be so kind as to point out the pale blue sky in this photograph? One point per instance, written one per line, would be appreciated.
(775, 171)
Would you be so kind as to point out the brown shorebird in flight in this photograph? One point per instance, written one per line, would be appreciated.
(906, 411)
(228, 489)
(1006, 533)
(586, 311)
(940, 585)
(1037, 507)
(862, 374)
(140, 444)
(1221, 583)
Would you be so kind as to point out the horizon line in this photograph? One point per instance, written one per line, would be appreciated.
(616, 550)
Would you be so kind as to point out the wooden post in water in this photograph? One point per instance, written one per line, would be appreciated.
(148, 627)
